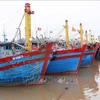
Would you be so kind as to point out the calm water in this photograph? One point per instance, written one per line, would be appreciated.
(83, 86)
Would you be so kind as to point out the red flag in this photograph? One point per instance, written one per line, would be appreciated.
(76, 39)
(73, 29)
(39, 29)
(51, 32)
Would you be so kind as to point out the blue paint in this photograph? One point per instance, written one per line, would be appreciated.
(23, 74)
(63, 65)
(21, 60)
(68, 54)
(87, 60)
(87, 51)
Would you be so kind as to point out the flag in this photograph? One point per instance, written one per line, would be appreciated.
(73, 29)
(76, 39)
(39, 29)
(51, 32)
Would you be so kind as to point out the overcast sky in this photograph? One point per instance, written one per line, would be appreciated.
(50, 16)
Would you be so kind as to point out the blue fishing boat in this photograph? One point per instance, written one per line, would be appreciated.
(88, 57)
(67, 60)
(89, 54)
(90, 50)
(23, 66)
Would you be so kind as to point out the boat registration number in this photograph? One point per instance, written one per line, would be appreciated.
(18, 57)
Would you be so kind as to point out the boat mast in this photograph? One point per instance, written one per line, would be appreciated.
(99, 39)
(28, 13)
(90, 36)
(86, 34)
(4, 35)
(81, 33)
(93, 39)
(67, 35)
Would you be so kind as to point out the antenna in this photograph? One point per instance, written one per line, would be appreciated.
(4, 35)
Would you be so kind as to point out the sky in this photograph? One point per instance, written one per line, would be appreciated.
(50, 16)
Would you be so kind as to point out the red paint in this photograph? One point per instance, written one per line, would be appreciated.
(83, 49)
(97, 46)
(73, 56)
(92, 53)
(64, 57)
(66, 20)
(25, 54)
(20, 63)
(48, 52)
(80, 24)
(69, 51)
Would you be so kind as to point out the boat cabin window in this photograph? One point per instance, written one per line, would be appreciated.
(17, 47)
(8, 47)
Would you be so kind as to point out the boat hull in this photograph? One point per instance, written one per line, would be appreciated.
(24, 69)
(63, 65)
(66, 61)
(88, 57)
(97, 57)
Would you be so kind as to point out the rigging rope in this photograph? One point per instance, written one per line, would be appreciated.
(18, 28)
(10, 14)
(59, 32)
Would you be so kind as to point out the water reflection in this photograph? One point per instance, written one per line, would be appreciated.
(88, 83)
(83, 86)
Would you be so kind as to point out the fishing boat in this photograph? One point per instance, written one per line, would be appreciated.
(97, 56)
(67, 60)
(27, 67)
(88, 57)
(90, 50)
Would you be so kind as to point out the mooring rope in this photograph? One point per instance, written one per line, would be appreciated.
(62, 93)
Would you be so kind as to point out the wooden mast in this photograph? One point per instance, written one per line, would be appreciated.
(67, 35)
(81, 33)
(28, 13)
(86, 34)
(93, 38)
(99, 39)
(90, 36)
